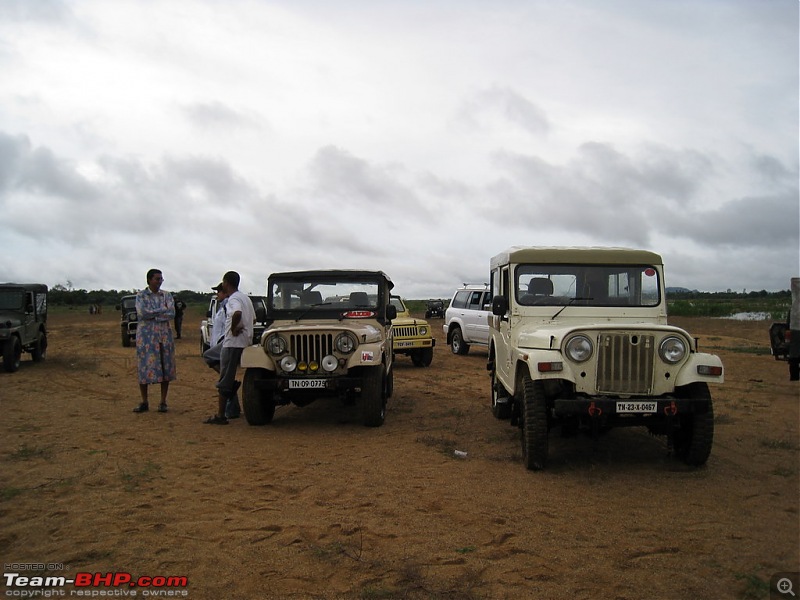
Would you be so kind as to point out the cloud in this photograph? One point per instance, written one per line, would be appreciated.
(509, 106)
(218, 115)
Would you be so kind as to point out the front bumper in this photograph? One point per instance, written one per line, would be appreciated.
(615, 408)
(331, 384)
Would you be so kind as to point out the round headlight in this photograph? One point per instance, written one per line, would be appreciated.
(423, 330)
(672, 349)
(579, 348)
(276, 345)
(329, 363)
(288, 364)
(344, 343)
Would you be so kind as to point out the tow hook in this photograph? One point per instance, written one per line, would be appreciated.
(671, 410)
(595, 411)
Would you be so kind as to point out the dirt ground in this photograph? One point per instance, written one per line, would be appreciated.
(317, 506)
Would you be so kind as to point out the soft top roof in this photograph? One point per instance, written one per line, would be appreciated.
(574, 255)
(36, 287)
(340, 274)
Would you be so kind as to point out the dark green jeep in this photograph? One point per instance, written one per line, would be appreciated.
(23, 320)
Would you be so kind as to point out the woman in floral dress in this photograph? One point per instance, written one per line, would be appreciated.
(155, 348)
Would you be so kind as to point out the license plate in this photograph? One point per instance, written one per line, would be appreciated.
(637, 407)
(306, 384)
(404, 344)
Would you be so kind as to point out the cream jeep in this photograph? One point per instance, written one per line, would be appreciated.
(579, 339)
(411, 336)
(328, 334)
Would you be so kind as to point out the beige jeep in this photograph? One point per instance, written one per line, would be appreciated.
(412, 337)
(328, 334)
(578, 338)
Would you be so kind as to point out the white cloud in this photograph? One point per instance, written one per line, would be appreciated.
(417, 138)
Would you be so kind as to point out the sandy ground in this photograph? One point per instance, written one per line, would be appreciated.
(317, 506)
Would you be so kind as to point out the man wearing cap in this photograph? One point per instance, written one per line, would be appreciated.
(239, 320)
(216, 335)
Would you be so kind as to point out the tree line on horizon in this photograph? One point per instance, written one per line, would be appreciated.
(61, 295)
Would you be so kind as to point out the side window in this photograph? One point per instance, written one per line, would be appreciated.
(486, 303)
(460, 299)
(475, 301)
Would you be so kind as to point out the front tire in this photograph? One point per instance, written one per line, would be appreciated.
(422, 358)
(259, 405)
(457, 343)
(693, 440)
(12, 353)
(373, 400)
(126, 339)
(533, 434)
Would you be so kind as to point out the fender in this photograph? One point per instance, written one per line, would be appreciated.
(688, 373)
(531, 359)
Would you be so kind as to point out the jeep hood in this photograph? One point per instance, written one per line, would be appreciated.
(550, 336)
(366, 330)
(9, 319)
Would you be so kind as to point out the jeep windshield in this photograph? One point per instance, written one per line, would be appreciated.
(12, 299)
(587, 285)
(313, 296)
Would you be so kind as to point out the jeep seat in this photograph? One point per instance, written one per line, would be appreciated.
(540, 289)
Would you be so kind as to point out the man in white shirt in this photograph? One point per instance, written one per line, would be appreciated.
(239, 320)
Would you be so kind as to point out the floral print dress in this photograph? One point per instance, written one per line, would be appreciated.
(155, 347)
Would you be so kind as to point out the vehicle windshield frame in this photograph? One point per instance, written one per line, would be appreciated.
(322, 296)
(611, 285)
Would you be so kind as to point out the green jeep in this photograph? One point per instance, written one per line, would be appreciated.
(23, 320)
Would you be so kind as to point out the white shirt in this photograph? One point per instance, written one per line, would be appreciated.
(218, 324)
(238, 302)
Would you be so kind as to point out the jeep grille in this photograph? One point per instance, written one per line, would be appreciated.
(405, 331)
(306, 347)
(625, 363)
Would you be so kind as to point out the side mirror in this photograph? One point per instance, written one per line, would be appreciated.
(391, 312)
(499, 306)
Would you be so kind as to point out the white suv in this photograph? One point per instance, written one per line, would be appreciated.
(466, 320)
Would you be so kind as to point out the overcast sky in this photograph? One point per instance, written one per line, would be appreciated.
(416, 137)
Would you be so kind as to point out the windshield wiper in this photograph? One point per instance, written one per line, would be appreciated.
(571, 300)
(310, 306)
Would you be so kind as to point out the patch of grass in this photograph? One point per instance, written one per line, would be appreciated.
(133, 479)
(757, 350)
(466, 549)
(25, 452)
(777, 444)
(7, 493)
(755, 587)
(444, 445)
(784, 471)
(372, 592)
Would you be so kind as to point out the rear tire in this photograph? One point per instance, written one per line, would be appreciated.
(457, 343)
(259, 405)
(500, 410)
(373, 400)
(534, 424)
(12, 353)
(693, 441)
(40, 348)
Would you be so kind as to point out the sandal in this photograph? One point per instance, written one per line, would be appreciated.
(162, 407)
(216, 420)
(143, 407)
